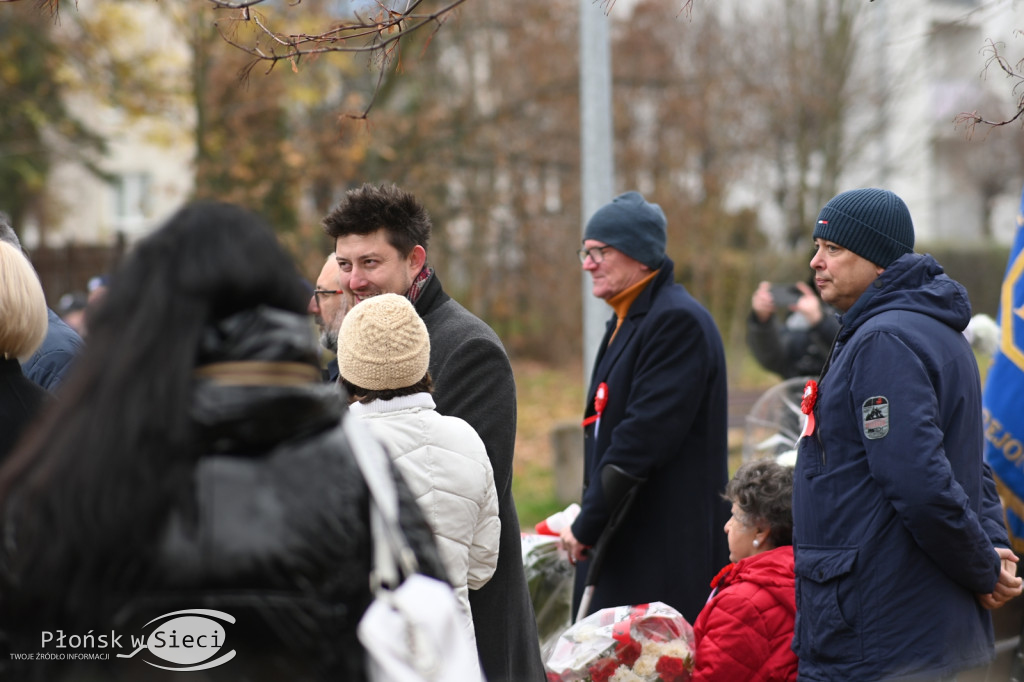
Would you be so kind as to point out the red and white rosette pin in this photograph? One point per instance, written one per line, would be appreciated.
(807, 405)
(600, 400)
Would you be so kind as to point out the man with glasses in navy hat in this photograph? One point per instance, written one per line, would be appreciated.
(656, 410)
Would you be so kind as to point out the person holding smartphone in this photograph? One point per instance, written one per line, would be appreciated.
(796, 342)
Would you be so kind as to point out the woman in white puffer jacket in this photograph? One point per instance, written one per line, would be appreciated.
(383, 353)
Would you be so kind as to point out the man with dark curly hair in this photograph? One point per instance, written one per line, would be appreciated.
(381, 234)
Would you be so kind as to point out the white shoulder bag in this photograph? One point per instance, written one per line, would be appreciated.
(411, 630)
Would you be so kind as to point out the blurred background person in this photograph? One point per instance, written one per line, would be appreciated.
(983, 334)
(96, 289)
(71, 309)
(196, 460)
(791, 336)
(745, 630)
(22, 329)
(384, 352)
(328, 306)
(51, 361)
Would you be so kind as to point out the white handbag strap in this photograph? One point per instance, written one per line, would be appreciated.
(393, 559)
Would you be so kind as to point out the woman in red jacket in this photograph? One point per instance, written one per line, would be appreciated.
(745, 630)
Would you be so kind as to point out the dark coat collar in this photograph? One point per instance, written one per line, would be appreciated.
(432, 297)
(606, 355)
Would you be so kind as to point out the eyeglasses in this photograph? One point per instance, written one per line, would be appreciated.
(317, 293)
(596, 254)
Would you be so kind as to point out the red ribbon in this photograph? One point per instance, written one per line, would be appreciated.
(621, 630)
(600, 400)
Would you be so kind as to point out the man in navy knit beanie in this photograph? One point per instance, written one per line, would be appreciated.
(899, 544)
(656, 420)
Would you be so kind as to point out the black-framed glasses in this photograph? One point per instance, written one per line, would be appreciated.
(596, 254)
(317, 293)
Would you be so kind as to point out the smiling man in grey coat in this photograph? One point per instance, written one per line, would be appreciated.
(381, 235)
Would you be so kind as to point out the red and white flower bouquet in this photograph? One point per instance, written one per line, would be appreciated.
(645, 643)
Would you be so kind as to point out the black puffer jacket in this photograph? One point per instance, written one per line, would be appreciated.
(277, 534)
(275, 531)
(281, 542)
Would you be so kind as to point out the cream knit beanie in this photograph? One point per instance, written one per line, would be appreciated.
(383, 344)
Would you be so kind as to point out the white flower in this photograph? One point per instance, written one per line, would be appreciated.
(676, 648)
(624, 674)
(646, 665)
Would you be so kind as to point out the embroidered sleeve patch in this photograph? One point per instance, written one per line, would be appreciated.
(876, 417)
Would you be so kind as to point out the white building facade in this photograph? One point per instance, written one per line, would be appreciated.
(961, 184)
(149, 157)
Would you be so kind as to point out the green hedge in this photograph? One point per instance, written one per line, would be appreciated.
(979, 268)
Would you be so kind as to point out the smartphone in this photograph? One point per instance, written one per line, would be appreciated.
(785, 295)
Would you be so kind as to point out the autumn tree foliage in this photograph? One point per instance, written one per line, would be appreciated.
(37, 125)
(258, 139)
(474, 107)
(481, 120)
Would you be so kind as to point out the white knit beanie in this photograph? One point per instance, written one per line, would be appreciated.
(383, 344)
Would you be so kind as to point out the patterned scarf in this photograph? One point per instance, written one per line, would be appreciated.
(419, 284)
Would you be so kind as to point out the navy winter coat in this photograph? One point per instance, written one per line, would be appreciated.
(50, 363)
(895, 514)
(665, 421)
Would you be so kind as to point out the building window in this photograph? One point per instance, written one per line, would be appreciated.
(132, 202)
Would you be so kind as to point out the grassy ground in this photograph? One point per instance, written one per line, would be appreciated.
(545, 396)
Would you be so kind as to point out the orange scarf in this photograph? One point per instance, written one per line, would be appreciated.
(622, 301)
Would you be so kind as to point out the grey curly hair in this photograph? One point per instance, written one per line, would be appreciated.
(763, 490)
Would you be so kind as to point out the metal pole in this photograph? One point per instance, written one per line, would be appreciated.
(597, 159)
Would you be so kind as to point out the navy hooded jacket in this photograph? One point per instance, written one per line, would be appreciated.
(895, 513)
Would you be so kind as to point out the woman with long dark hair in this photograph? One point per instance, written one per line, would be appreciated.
(195, 461)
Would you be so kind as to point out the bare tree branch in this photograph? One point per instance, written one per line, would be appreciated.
(242, 5)
(1015, 72)
(50, 6)
(380, 31)
(972, 119)
(378, 36)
